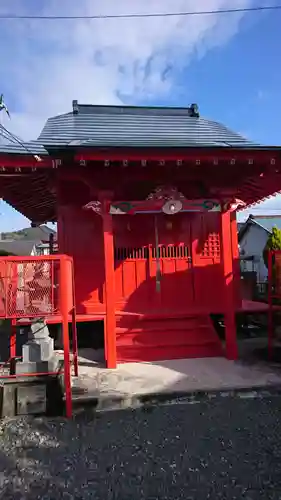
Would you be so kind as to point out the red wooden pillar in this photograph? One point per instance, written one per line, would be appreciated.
(229, 292)
(236, 262)
(110, 319)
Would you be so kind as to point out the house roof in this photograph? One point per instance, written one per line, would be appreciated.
(39, 233)
(18, 247)
(263, 221)
(128, 126)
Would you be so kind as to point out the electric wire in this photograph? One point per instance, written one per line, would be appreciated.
(15, 140)
(12, 17)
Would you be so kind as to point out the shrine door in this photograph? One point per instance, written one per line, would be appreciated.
(153, 266)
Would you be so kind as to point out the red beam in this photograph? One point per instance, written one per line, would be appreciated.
(210, 154)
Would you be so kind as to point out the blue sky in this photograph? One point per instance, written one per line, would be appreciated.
(225, 63)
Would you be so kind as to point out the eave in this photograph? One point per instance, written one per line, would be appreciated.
(211, 154)
(250, 174)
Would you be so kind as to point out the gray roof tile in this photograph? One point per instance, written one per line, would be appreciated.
(18, 247)
(117, 126)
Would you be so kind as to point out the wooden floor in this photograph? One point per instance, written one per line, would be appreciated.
(248, 306)
(251, 306)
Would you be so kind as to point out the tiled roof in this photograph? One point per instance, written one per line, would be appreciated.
(117, 126)
(18, 247)
(31, 147)
(39, 233)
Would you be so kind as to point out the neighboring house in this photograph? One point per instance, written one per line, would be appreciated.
(28, 241)
(44, 248)
(240, 225)
(39, 233)
(19, 247)
(252, 237)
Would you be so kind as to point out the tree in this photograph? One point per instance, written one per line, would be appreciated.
(273, 243)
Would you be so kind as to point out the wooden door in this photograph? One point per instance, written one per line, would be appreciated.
(176, 282)
(137, 259)
(132, 238)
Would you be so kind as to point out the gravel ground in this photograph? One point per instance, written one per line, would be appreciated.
(225, 448)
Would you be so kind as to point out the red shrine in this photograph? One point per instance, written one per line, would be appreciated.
(145, 200)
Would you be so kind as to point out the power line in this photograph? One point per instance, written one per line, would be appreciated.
(132, 16)
(16, 140)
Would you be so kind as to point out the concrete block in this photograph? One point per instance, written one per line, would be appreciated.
(31, 399)
(35, 351)
(50, 365)
(8, 400)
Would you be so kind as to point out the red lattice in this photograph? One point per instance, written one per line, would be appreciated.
(211, 246)
(30, 287)
(2, 289)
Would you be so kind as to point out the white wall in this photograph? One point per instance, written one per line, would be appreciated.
(253, 243)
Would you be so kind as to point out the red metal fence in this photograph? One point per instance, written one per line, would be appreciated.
(40, 287)
(274, 293)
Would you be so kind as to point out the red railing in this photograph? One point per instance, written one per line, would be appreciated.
(274, 292)
(39, 287)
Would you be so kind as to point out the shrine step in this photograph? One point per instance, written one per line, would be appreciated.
(163, 339)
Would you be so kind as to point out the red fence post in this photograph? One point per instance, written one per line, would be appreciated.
(74, 324)
(74, 342)
(64, 309)
(270, 311)
(13, 346)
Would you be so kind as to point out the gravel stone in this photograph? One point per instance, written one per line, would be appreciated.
(227, 448)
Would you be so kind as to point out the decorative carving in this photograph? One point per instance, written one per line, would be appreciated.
(157, 205)
(95, 206)
(165, 193)
(233, 205)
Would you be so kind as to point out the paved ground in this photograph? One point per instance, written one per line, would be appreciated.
(176, 376)
(225, 447)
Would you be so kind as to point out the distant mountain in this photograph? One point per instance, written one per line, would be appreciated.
(39, 233)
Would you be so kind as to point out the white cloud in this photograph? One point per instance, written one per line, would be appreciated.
(46, 64)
